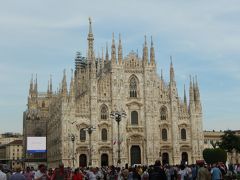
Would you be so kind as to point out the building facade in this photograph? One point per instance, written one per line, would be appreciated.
(159, 124)
(211, 138)
(35, 123)
(8, 137)
(11, 154)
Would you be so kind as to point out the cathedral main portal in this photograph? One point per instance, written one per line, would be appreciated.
(135, 155)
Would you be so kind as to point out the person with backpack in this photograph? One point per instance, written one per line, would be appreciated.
(157, 173)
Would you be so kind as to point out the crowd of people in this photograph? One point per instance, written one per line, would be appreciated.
(200, 171)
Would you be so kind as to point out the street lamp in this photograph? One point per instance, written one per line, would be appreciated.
(90, 129)
(73, 139)
(117, 115)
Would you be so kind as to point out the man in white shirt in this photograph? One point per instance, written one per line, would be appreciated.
(3, 176)
(41, 174)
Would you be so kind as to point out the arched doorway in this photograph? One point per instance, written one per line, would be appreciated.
(184, 158)
(83, 160)
(104, 160)
(165, 158)
(135, 155)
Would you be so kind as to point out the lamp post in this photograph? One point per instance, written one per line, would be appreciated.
(117, 115)
(90, 129)
(73, 139)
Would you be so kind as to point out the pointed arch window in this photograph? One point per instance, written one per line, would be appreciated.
(134, 118)
(104, 134)
(133, 87)
(164, 134)
(163, 113)
(104, 112)
(82, 135)
(183, 134)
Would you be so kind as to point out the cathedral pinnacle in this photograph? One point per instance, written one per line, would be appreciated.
(196, 90)
(152, 53)
(120, 50)
(90, 42)
(64, 83)
(98, 63)
(145, 51)
(162, 74)
(102, 59)
(72, 86)
(107, 56)
(191, 96)
(185, 98)
(90, 25)
(31, 85)
(50, 86)
(36, 86)
(172, 78)
(113, 56)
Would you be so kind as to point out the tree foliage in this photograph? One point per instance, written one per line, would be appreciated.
(214, 155)
(230, 141)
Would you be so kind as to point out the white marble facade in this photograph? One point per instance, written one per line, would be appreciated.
(159, 124)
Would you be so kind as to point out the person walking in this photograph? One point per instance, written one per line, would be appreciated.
(28, 174)
(77, 175)
(17, 175)
(59, 173)
(157, 173)
(203, 173)
(216, 173)
(41, 174)
(3, 176)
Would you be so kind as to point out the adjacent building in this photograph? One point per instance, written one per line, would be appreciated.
(12, 154)
(76, 118)
(8, 137)
(211, 138)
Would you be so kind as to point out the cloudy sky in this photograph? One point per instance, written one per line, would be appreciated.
(202, 36)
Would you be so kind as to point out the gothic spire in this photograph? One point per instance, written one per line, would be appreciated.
(102, 59)
(162, 74)
(72, 86)
(185, 98)
(113, 55)
(197, 90)
(36, 85)
(90, 42)
(152, 53)
(145, 51)
(31, 86)
(120, 56)
(50, 84)
(98, 63)
(49, 91)
(107, 56)
(64, 83)
(172, 77)
(191, 96)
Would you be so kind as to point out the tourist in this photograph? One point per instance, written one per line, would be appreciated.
(216, 173)
(182, 173)
(17, 175)
(157, 172)
(3, 176)
(59, 173)
(77, 175)
(41, 174)
(28, 174)
(203, 173)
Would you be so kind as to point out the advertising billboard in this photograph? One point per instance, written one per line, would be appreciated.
(36, 144)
